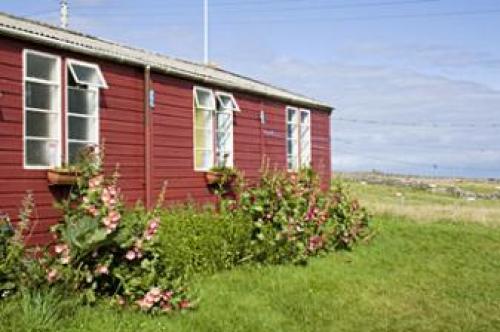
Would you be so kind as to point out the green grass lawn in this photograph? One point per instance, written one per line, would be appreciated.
(411, 277)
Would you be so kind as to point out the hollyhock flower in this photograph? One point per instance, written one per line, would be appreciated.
(114, 216)
(143, 304)
(102, 269)
(130, 255)
(65, 259)
(52, 275)
(166, 307)
(184, 304)
(96, 181)
(93, 210)
(105, 196)
(60, 248)
(167, 296)
(315, 242)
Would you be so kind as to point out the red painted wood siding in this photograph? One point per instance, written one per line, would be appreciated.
(122, 129)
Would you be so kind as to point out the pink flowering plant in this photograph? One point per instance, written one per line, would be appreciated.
(103, 250)
(293, 218)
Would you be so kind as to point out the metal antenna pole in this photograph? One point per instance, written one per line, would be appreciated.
(64, 14)
(205, 27)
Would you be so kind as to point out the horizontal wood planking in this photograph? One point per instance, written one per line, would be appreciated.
(122, 130)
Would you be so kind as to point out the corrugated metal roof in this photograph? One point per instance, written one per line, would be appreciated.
(78, 42)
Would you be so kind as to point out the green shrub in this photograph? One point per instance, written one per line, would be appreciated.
(202, 241)
(103, 251)
(293, 218)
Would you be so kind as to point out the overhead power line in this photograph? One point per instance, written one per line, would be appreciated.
(418, 124)
(433, 166)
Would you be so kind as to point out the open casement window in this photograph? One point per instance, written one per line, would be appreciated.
(298, 138)
(42, 111)
(82, 126)
(226, 105)
(204, 108)
(305, 138)
(87, 74)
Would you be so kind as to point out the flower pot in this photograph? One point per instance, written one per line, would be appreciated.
(213, 178)
(62, 177)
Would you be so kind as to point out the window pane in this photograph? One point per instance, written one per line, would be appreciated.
(203, 159)
(304, 118)
(203, 119)
(41, 67)
(41, 153)
(226, 102)
(205, 99)
(291, 131)
(81, 128)
(40, 124)
(224, 120)
(203, 139)
(292, 146)
(292, 115)
(87, 75)
(41, 96)
(74, 150)
(82, 101)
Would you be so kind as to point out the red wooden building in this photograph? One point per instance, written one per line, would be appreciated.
(160, 118)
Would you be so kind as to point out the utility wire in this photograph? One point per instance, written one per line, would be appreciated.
(434, 166)
(417, 124)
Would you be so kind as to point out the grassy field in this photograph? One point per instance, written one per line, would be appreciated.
(423, 206)
(434, 265)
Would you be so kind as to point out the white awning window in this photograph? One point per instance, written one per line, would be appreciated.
(227, 101)
(204, 98)
(88, 74)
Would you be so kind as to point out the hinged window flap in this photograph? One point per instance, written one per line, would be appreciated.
(88, 74)
(204, 98)
(227, 101)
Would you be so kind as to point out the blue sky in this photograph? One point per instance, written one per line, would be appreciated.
(416, 83)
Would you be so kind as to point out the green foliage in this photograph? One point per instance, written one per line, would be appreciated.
(20, 267)
(293, 218)
(104, 251)
(202, 241)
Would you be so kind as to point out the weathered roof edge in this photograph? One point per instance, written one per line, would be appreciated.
(50, 35)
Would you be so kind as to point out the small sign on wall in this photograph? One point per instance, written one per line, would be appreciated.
(151, 98)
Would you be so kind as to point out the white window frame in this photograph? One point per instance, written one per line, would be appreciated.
(197, 106)
(303, 163)
(71, 62)
(57, 111)
(296, 141)
(197, 101)
(94, 88)
(230, 111)
(220, 95)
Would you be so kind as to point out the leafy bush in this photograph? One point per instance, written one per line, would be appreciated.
(20, 267)
(293, 219)
(202, 241)
(103, 251)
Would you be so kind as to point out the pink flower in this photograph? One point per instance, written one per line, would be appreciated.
(93, 210)
(65, 259)
(143, 304)
(60, 248)
(102, 269)
(130, 255)
(166, 307)
(52, 275)
(184, 304)
(120, 300)
(105, 196)
(167, 296)
(96, 181)
(114, 216)
(315, 242)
